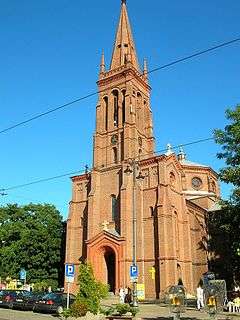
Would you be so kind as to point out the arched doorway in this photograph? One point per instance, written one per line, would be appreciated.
(110, 261)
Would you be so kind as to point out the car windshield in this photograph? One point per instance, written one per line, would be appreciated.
(51, 296)
(25, 294)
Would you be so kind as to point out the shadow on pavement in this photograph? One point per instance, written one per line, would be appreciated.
(167, 318)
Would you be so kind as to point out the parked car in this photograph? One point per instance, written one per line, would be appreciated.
(53, 302)
(26, 300)
(7, 297)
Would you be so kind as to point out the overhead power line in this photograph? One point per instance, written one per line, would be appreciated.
(65, 105)
(41, 180)
(3, 190)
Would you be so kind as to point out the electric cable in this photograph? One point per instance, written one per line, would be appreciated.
(85, 170)
(198, 53)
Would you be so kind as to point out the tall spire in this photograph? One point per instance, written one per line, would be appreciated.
(124, 49)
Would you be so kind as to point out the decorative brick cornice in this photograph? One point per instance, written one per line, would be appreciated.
(152, 160)
(199, 169)
(81, 177)
(123, 71)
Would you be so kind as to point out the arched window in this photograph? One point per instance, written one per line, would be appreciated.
(139, 99)
(139, 153)
(115, 107)
(176, 227)
(114, 208)
(124, 106)
(105, 99)
(172, 179)
(115, 155)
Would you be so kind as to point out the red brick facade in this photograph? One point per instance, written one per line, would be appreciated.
(171, 200)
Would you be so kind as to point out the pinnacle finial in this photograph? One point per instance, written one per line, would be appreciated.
(102, 65)
(169, 150)
(145, 69)
(182, 154)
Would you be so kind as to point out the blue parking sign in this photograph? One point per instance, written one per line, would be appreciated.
(69, 270)
(133, 271)
(22, 274)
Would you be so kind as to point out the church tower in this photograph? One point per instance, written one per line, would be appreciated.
(113, 215)
(123, 117)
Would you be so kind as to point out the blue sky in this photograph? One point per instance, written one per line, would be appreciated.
(50, 54)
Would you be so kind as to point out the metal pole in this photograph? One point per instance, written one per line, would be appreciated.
(134, 221)
(68, 289)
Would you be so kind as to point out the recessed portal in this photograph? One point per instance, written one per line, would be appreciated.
(110, 260)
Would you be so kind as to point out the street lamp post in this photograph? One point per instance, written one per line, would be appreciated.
(133, 170)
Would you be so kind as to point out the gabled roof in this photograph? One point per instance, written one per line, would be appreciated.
(192, 164)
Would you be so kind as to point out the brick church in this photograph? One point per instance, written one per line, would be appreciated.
(133, 201)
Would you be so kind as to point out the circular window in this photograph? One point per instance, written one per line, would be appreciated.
(196, 183)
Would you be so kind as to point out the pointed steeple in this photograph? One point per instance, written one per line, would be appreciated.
(124, 49)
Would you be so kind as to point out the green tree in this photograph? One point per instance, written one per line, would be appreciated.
(224, 226)
(90, 290)
(229, 139)
(30, 238)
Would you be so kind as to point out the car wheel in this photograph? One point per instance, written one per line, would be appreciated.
(59, 309)
(10, 305)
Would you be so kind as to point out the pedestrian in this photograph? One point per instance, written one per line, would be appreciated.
(128, 296)
(200, 303)
(121, 295)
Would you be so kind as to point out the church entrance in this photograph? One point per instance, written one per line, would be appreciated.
(110, 261)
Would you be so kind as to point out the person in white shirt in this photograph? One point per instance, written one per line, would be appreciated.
(121, 295)
(200, 303)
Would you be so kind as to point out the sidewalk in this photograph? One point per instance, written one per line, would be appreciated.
(159, 311)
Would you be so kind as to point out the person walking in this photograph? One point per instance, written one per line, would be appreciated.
(121, 295)
(200, 296)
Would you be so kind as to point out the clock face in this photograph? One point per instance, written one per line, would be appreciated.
(196, 183)
(114, 139)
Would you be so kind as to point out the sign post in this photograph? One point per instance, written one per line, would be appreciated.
(69, 277)
(23, 275)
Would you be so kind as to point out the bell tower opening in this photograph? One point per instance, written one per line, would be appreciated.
(110, 261)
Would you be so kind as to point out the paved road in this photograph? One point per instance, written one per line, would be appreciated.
(6, 314)
(147, 312)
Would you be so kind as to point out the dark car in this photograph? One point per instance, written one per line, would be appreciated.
(7, 297)
(53, 302)
(26, 300)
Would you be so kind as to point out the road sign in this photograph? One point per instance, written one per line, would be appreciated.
(133, 271)
(69, 272)
(22, 274)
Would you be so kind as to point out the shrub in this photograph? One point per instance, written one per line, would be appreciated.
(134, 311)
(78, 309)
(122, 308)
(107, 311)
(90, 290)
(66, 313)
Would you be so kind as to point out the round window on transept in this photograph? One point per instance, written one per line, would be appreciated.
(197, 183)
